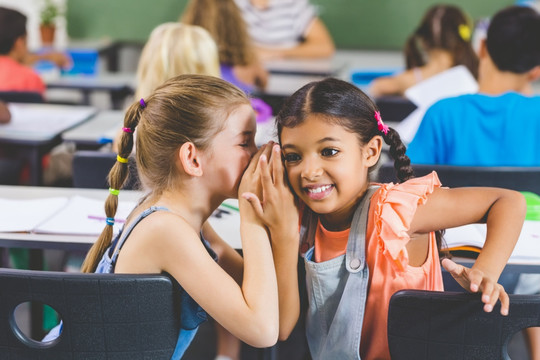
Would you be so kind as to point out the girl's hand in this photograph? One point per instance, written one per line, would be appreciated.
(474, 280)
(251, 181)
(277, 209)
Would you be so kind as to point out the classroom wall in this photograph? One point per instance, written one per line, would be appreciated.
(357, 24)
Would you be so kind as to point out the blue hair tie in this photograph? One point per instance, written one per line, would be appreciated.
(109, 221)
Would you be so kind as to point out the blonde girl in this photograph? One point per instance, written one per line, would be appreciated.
(195, 140)
(362, 241)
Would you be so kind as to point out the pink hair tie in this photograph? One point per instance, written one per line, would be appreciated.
(382, 127)
(126, 129)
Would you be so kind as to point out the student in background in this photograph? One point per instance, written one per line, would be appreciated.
(15, 59)
(441, 41)
(331, 136)
(223, 20)
(195, 143)
(173, 49)
(15, 75)
(500, 125)
(286, 29)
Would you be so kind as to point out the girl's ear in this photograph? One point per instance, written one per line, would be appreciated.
(372, 151)
(189, 157)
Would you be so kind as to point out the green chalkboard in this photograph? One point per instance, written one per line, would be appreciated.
(365, 24)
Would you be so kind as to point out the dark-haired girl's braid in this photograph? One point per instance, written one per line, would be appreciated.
(117, 178)
(402, 163)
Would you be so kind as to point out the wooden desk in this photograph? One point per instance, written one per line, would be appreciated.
(36, 128)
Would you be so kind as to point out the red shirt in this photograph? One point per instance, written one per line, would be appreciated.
(18, 77)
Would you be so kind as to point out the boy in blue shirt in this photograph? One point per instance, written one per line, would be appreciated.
(500, 125)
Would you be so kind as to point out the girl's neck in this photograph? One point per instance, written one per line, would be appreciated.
(194, 207)
(341, 219)
(439, 60)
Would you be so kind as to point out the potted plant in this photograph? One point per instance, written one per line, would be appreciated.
(47, 27)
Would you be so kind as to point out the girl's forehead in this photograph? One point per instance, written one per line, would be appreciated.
(241, 118)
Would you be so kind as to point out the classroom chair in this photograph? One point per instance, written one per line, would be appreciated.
(91, 168)
(394, 108)
(10, 170)
(427, 325)
(105, 316)
(21, 97)
(514, 178)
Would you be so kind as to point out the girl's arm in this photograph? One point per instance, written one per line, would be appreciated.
(392, 85)
(248, 311)
(317, 44)
(502, 210)
(280, 215)
(229, 259)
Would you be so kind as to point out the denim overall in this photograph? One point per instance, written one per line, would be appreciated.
(192, 315)
(337, 291)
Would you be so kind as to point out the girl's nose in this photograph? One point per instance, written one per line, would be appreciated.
(311, 170)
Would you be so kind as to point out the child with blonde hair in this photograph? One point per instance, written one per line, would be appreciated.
(362, 242)
(195, 143)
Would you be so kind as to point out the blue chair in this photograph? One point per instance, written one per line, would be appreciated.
(427, 325)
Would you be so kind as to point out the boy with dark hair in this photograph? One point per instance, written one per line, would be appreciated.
(500, 125)
(15, 73)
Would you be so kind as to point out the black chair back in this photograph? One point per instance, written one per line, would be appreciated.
(514, 178)
(394, 108)
(21, 96)
(91, 168)
(104, 316)
(427, 325)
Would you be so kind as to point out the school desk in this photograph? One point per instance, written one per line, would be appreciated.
(118, 85)
(100, 129)
(35, 129)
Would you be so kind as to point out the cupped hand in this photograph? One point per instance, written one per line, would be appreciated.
(276, 208)
(474, 280)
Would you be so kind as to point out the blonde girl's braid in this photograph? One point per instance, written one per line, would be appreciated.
(117, 178)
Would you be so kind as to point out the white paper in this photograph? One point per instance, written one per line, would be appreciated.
(452, 82)
(42, 121)
(73, 219)
(227, 223)
(25, 215)
(527, 248)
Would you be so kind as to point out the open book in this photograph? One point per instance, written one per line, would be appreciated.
(472, 237)
(76, 215)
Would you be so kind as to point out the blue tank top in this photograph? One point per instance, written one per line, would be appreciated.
(192, 315)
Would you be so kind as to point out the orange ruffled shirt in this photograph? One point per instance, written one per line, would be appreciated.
(391, 211)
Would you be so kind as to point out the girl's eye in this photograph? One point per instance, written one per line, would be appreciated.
(292, 157)
(329, 152)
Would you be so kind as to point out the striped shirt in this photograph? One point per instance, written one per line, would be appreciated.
(284, 23)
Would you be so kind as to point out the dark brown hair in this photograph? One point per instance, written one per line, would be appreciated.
(12, 27)
(440, 29)
(346, 105)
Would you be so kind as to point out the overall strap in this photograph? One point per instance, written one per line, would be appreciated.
(125, 233)
(355, 257)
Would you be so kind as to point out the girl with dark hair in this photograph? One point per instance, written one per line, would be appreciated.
(362, 242)
(441, 41)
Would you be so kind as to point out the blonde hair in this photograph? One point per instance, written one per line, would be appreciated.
(186, 108)
(223, 20)
(174, 49)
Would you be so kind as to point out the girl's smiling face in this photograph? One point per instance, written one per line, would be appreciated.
(328, 168)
